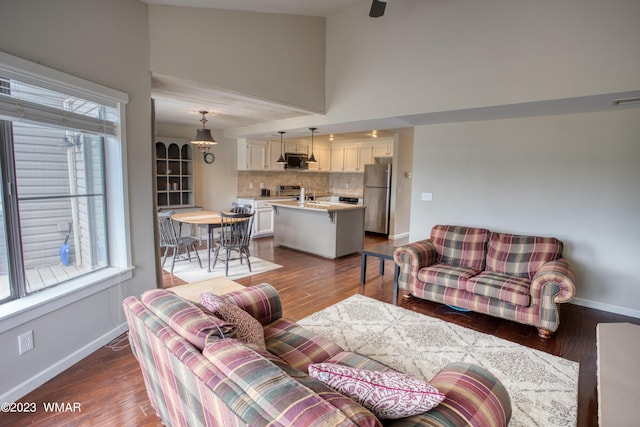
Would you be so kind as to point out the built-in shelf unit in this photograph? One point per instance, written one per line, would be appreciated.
(174, 174)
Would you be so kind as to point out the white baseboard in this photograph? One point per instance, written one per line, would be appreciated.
(606, 307)
(398, 236)
(57, 368)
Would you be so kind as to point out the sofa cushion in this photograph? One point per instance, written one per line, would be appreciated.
(389, 395)
(357, 360)
(446, 275)
(521, 256)
(296, 345)
(254, 385)
(189, 321)
(460, 246)
(511, 289)
(248, 329)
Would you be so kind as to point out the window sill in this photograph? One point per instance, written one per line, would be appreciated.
(23, 310)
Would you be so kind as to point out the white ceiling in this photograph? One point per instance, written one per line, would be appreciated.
(179, 100)
(287, 7)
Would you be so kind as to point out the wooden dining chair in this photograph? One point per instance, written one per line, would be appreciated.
(235, 208)
(170, 240)
(235, 236)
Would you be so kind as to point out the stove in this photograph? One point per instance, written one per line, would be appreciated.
(293, 191)
(289, 190)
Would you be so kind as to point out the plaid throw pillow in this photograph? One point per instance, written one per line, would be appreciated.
(521, 256)
(460, 246)
(189, 321)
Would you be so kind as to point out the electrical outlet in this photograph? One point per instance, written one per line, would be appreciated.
(251, 186)
(261, 185)
(25, 342)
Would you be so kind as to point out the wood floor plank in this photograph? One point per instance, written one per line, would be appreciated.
(109, 387)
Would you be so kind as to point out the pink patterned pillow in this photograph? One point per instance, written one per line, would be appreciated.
(248, 329)
(389, 394)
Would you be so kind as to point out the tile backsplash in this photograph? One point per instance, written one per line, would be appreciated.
(321, 182)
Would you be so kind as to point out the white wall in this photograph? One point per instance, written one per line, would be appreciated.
(106, 42)
(215, 185)
(574, 177)
(433, 55)
(275, 57)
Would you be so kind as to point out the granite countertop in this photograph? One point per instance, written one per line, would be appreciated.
(318, 206)
(318, 194)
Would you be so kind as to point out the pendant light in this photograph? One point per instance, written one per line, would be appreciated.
(281, 159)
(203, 139)
(312, 158)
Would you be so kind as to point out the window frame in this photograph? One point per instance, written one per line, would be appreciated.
(120, 267)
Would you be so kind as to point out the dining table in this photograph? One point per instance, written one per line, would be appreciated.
(211, 219)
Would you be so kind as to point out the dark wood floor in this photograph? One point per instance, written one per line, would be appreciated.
(108, 384)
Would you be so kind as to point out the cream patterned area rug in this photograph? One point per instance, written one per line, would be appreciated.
(190, 271)
(543, 388)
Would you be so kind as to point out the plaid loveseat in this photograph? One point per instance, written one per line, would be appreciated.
(193, 378)
(515, 277)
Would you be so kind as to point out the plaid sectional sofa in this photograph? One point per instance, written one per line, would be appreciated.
(515, 277)
(195, 378)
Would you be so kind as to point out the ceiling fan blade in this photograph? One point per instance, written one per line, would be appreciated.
(377, 8)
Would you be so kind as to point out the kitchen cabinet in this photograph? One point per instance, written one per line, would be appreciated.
(274, 155)
(257, 155)
(352, 156)
(296, 147)
(263, 218)
(337, 158)
(322, 153)
(383, 148)
(174, 173)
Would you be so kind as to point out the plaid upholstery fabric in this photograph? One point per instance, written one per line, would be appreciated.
(559, 271)
(272, 392)
(460, 246)
(297, 346)
(521, 256)
(447, 275)
(514, 290)
(553, 283)
(186, 318)
(355, 360)
(260, 301)
(411, 258)
(482, 402)
(230, 384)
(175, 373)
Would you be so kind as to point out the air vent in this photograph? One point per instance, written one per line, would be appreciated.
(625, 101)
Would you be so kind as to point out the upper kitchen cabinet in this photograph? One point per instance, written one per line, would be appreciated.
(322, 153)
(174, 173)
(274, 154)
(259, 155)
(352, 156)
(296, 147)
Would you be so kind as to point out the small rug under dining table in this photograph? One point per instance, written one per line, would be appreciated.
(543, 388)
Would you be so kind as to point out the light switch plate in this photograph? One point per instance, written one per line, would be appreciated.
(427, 197)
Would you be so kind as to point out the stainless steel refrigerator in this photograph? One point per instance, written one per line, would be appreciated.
(377, 197)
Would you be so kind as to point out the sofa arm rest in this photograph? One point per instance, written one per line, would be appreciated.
(474, 397)
(411, 258)
(560, 272)
(260, 301)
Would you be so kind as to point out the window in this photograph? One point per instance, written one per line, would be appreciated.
(63, 198)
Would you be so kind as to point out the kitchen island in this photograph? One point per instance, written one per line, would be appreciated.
(330, 230)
